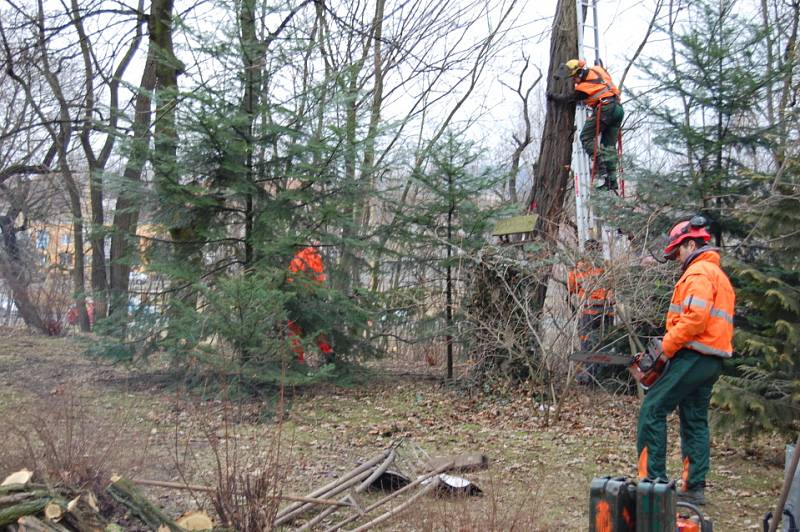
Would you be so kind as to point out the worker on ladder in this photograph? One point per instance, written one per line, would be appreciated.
(594, 87)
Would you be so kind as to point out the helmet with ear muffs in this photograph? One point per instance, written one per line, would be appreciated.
(570, 69)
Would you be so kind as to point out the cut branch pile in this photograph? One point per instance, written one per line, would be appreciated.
(31, 506)
(39, 507)
(501, 314)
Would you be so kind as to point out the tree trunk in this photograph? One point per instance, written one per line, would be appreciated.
(552, 176)
(61, 141)
(166, 176)
(555, 154)
(253, 51)
(97, 163)
(126, 212)
(11, 514)
(12, 269)
(11, 272)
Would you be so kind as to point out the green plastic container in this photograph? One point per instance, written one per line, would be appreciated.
(612, 505)
(655, 506)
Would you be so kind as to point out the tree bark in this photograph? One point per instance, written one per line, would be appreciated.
(552, 175)
(124, 492)
(555, 154)
(126, 211)
(12, 513)
(61, 140)
(97, 162)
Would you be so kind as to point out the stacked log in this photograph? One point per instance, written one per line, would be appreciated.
(39, 507)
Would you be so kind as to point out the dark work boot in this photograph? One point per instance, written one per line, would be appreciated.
(695, 495)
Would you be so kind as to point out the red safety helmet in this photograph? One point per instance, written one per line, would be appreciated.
(693, 228)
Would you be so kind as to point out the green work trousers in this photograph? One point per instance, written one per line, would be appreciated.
(611, 115)
(687, 385)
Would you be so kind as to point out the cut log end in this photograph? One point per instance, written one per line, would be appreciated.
(53, 512)
(21, 477)
(195, 521)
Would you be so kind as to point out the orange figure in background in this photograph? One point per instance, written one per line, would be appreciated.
(308, 261)
(587, 282)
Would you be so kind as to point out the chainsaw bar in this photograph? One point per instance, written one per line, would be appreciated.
(599, 357)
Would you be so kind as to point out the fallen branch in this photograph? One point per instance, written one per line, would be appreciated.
(209, 489)
(30, 523)
(6, 500)
(391, 496)
(461, 462)
(12, 513)
(335, 491)
(394, 511)
(359, 489)
(126, 493)
(14, 488)
(331, 485)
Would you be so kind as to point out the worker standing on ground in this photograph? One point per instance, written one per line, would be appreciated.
(699, 336)
(594, 87)
(308, 264)
(596, 303)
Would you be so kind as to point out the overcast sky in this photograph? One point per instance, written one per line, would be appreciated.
(622, 25)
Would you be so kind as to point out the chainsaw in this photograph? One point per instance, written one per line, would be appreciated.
(646, 366)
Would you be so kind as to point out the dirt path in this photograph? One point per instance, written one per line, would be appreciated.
(538, 479)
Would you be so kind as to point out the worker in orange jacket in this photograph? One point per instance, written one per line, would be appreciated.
(595, 89)
(596, 301)
(699, 337)
(308, 264)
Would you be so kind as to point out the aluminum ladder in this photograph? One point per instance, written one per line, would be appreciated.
(588, 225)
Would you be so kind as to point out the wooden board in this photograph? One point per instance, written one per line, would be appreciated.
(461, 462)
(515, 225)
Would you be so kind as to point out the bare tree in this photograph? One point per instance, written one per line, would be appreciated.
(521, 143)
(93, 122)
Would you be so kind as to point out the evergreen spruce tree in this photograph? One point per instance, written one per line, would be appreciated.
(703, 114)
(452, 214)
(727, 158)
(255, 181)
(764, 393)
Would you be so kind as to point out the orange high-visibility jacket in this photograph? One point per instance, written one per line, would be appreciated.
(308, 260)
(596, 84)
(587, 277)
(700, 316)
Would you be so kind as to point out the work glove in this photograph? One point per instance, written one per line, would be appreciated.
(652, 355)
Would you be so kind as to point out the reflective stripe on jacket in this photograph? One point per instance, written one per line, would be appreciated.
(700, 316)
(308, 260)
(596, 83)
(587, 277)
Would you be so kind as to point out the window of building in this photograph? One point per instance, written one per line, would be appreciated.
(42, 239)
(66, 238)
